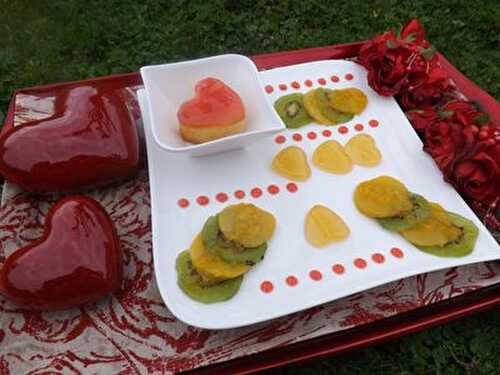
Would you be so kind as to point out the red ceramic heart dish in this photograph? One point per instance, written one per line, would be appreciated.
(90, 141)
(76, 261)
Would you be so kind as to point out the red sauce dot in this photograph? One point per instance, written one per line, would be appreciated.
(183, 203)
(349, 76)
(266, 286)
(339, 269)
(359, 127)
(378, 258)
(315, 275)
(269, 89)
(280, 139)
(322, 81)
(360, 263)
(327, 133)
(221, 197)
(343, 130)
(398, 253)
(373, 123)
(273, 189)
(282, 86)
(295, 85)
(240, 194)
(308, 83)
(256, 192)
(292, 187)
(297, 137)
(334, 78)
(311, 135)
(292, 280)
(202, 200)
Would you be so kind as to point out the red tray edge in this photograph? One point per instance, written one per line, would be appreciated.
(363, 336)
(372, 333)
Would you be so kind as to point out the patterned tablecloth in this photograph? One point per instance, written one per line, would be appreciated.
(133, 332)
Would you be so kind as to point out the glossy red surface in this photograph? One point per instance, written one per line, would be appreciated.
(90, 141)
(76, 261)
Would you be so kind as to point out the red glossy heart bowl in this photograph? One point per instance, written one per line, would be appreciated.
(76, 261)
(89, 141)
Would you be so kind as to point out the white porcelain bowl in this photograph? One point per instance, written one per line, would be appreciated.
(168, 86)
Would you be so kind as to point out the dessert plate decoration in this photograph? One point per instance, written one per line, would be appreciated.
(294, 275)
(64, 152)
(76, 261)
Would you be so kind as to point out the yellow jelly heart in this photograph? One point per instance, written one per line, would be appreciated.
(363, 151)
(330, 156)
(350, 100)
(291, 163)
(323, 226)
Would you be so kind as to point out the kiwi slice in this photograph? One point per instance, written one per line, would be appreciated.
(419, 212)
(229, 251)
(195, 287)
(462, 246)
(291, 110)
(334, 116)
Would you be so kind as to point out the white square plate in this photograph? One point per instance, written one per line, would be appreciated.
(169, 85)
(174, 177)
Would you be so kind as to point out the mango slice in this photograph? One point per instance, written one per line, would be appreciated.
(247, 224)
(363, 150)
(292, 164)
(323, 226)
(383, 196)
(350, 100)
(331, 157)
(437, 230)
(212, 268)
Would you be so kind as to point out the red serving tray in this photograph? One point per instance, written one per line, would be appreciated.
(368, 334)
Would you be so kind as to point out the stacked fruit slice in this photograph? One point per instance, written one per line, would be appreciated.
(325, 106)
(229, 244)
(425, 224)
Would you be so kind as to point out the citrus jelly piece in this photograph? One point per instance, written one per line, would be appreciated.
(331, 157)
(383, 196)
(246, 224)
(192, 284)
(323, 102)
(291, 163)
(437, 230)
(323, 226)
(363, 151)
(350, 100)
(313, 108)
(212, 268)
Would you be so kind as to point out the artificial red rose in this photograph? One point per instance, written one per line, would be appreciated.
(427, 91)
(445, 140)
(464, 112)
(492, 217)
(386, 58)
(422, 118)
(413, 32)
(477, 172)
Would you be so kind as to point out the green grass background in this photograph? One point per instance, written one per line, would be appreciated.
(45, 41)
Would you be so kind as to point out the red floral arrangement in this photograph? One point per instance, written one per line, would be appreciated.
(463, 141)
